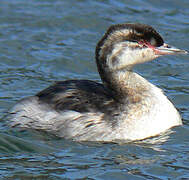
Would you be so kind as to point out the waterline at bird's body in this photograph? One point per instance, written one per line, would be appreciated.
(125, 107)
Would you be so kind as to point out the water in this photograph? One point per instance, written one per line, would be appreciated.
(47, 40)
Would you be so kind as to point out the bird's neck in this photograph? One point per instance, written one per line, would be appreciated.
(125, 85)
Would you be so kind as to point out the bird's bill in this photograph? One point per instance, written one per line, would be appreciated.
(165, 49)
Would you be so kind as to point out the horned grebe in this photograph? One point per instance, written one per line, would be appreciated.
(125, 107)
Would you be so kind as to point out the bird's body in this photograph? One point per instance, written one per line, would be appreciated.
(124, 107)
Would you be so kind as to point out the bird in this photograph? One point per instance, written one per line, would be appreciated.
(124, 106)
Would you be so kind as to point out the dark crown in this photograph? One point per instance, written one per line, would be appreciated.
(137, 32)
(144, 32)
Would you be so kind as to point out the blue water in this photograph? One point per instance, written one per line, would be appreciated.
(48, 40)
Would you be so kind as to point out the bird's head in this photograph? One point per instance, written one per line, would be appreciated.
(125, 45)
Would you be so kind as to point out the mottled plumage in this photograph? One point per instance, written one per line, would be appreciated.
(125, 106)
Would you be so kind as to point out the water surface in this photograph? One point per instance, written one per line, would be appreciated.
(48, 40)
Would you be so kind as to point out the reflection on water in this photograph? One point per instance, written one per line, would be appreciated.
(43, 41)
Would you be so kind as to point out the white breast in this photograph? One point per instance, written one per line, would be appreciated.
(160, 117)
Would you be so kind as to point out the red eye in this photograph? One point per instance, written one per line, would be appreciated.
(153, 42)
(146, 44)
